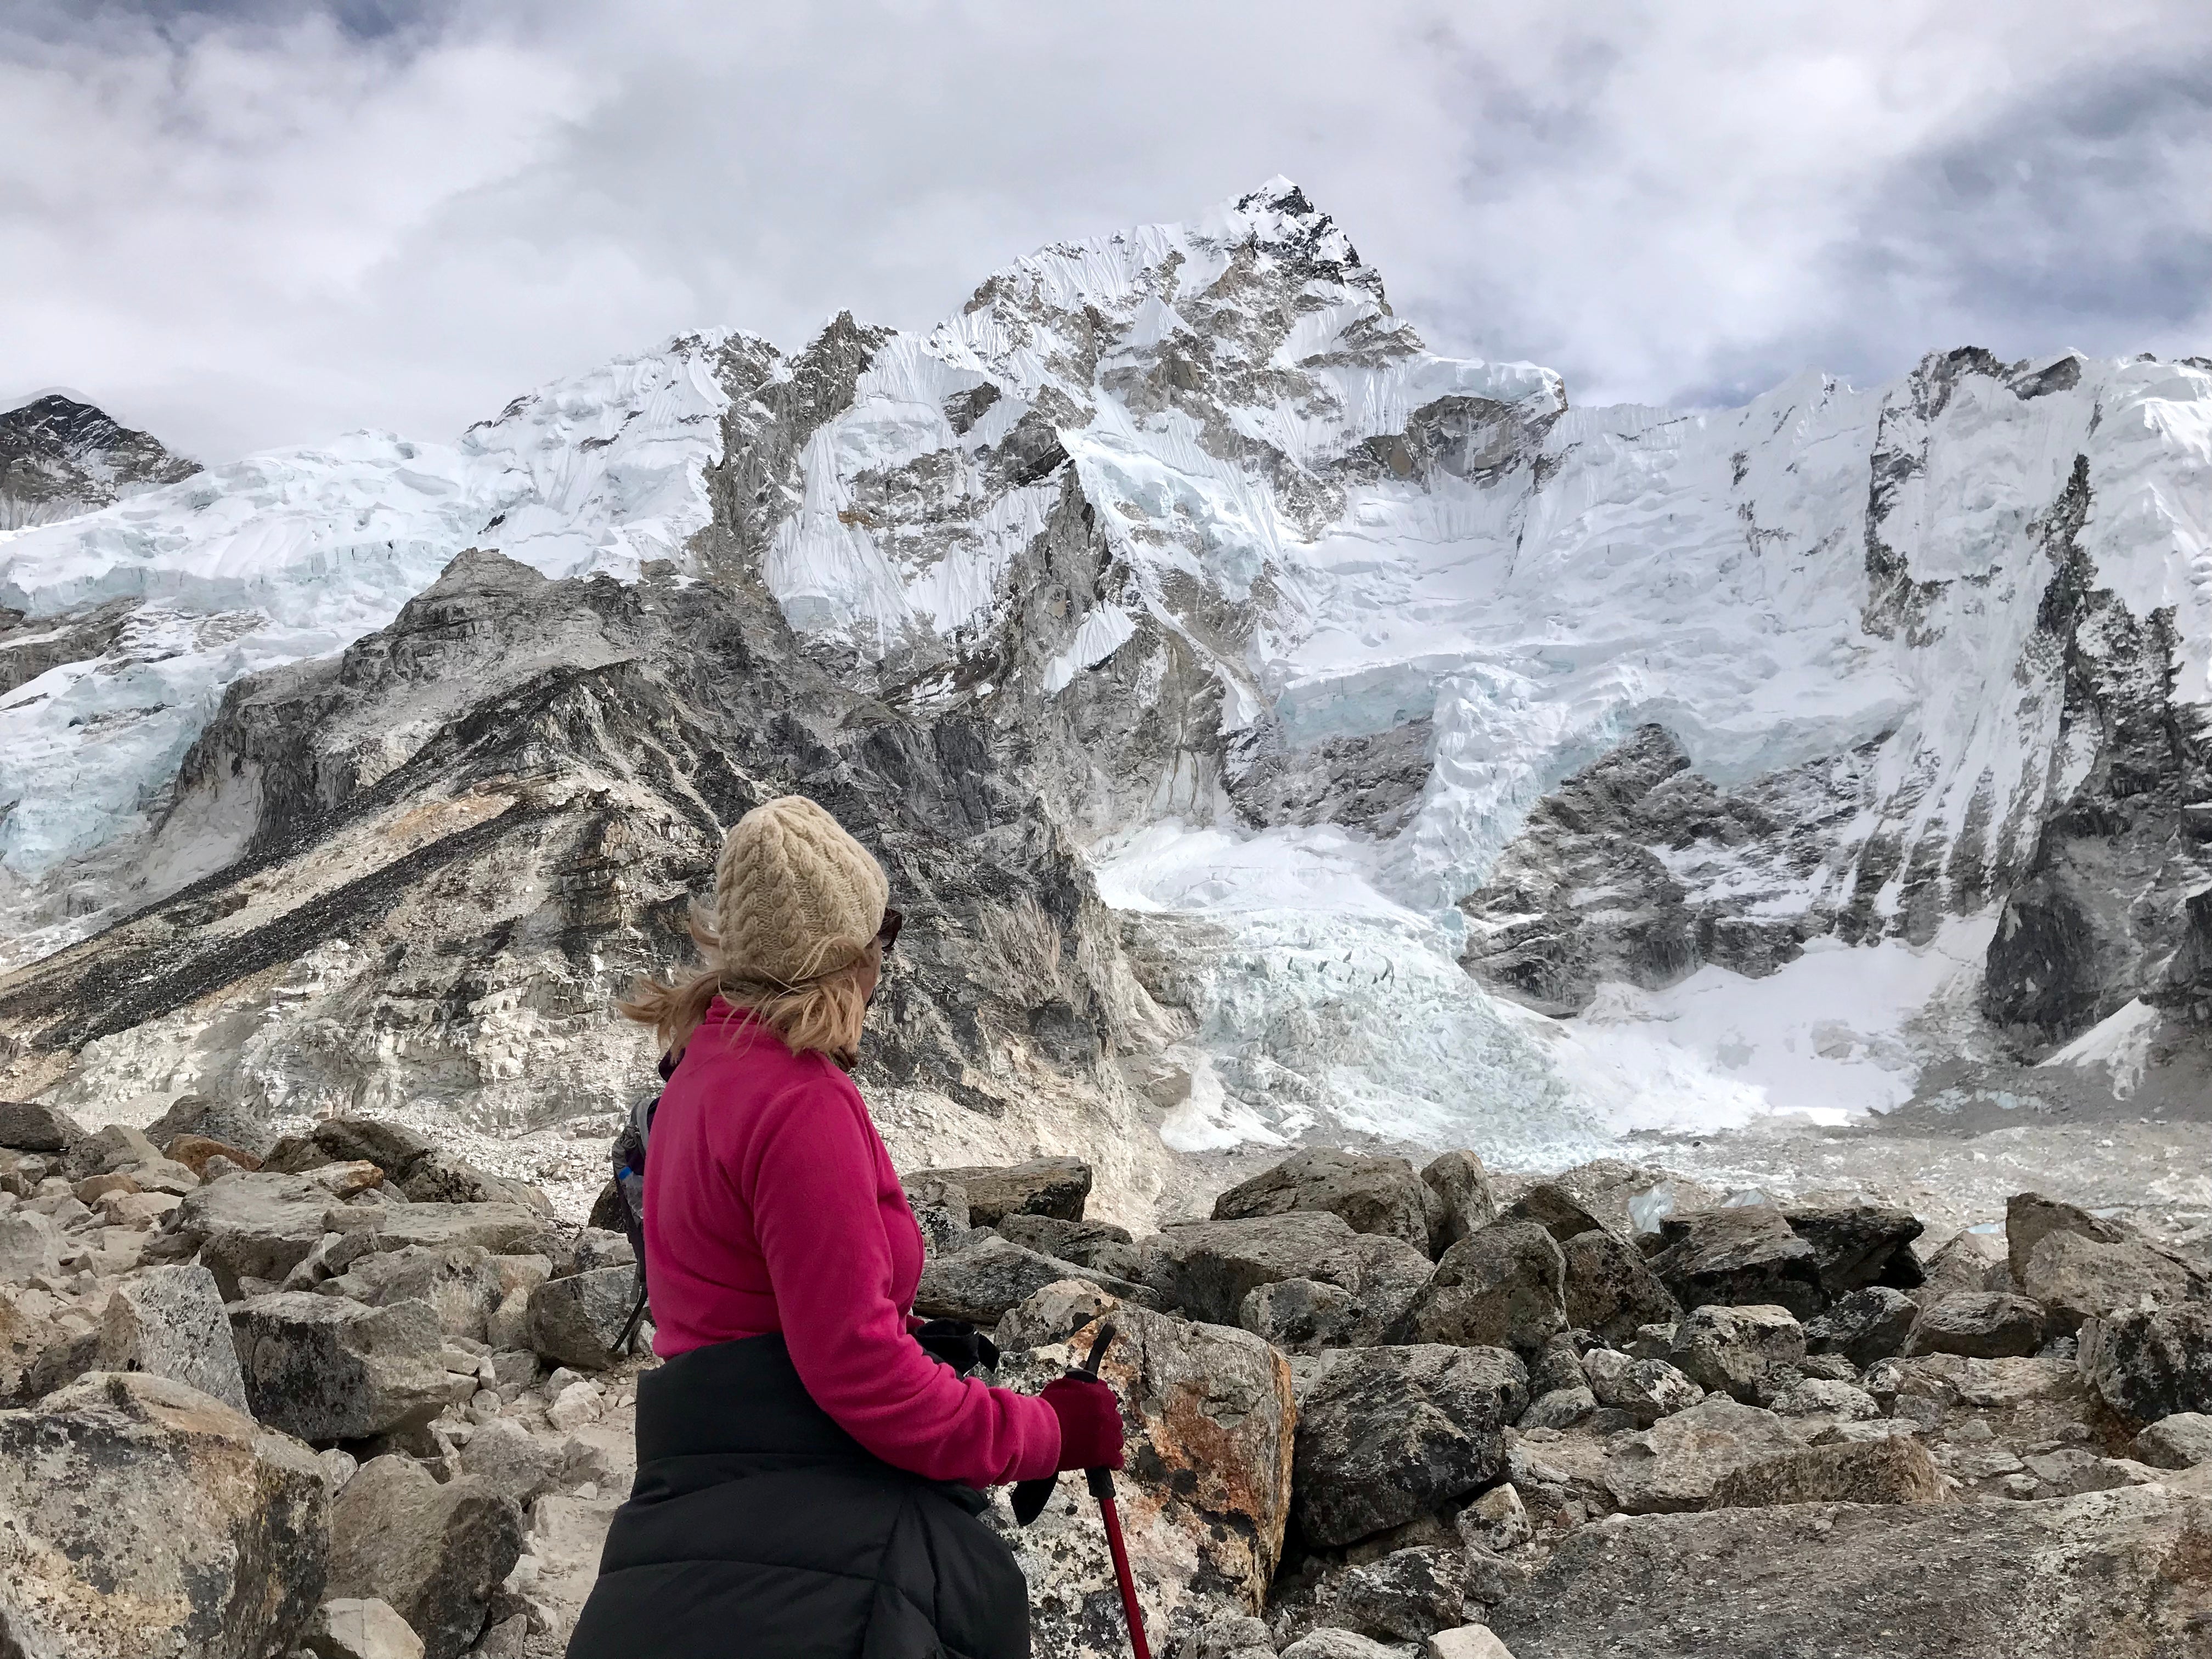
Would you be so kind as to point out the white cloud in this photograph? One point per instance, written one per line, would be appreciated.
(243, 227)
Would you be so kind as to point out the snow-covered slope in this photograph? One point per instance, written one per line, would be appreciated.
(1465, 764)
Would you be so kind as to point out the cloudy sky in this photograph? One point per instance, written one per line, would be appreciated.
(256, 222)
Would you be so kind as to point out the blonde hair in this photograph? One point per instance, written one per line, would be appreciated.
(822, 1012)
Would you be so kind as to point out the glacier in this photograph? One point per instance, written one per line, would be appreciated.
(1354, 612)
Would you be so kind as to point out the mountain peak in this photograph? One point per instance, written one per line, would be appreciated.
(60, 457)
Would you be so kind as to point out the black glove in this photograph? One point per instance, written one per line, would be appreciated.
(956, 1343)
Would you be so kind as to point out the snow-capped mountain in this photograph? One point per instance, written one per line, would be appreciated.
(59, 458)
(1279, 724)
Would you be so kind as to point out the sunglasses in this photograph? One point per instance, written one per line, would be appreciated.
(887, 935)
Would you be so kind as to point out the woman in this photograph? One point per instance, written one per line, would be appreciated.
(807, 1475)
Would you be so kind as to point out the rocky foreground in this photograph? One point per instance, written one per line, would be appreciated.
(345, 1395)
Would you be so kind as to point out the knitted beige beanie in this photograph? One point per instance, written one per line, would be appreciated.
(796, 897)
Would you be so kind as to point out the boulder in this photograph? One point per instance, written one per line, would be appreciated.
(392, 1147)
(1732, 1350)
(1390, 1433)
(461, 1284)
(940, 1210)
(221, 1121)
(1894, 1470)
(28, 1126)
(1609, 1291)
(578, 1321)
(2074, 1277)
(1096, 1245)
(1816, 1396)
(109, 1147)
(1238, 1637)
(1470, 1203)
(1854, 1245)
(1560, 1408)
(349, 1628)
(1302, 1316)
(507, 1459)
(1554, 1209)
(1208, 1267)
(193, 1151)
(1409, 1595)
(2030, 1218)
(1048, 1186)
(435, 1553)
(139, 1516)
(2179, 1441)
(439, 1179)
(1501, 1287)
(1679, 1461)
(1980, 1324)
(258, 1226)
(1648, 1389)
(1208, 1414)
(1338, 1644)
(1468, 1642)
(1865, 1325)
(1373, 1195)
(1557, 1363)
(503, 1229)
(2118, 1572)
(170, 1322)
(1739, 1255)
(2149, 1363)
(1052, 1315)
(325, 1369)
(981, 1281)
(1970, 1261)
(30, 1247)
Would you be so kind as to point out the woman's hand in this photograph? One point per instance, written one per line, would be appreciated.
(1089, 1423)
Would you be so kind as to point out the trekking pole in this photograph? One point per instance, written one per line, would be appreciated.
(1100, 1482)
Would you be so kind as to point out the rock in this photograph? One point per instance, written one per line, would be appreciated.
(110, 1148)
(507, 1459)
(1468, 1642)
(2030, 1218)
(1816, 1396)
(139, 1516)
(393, 1147)
(1981, 1324)
(1337, 1644)
(2179, 1441)
(1386, 1434)
(1867, 1324)
(28, 1126)
(258, 1226)
(223, 1122)
(1410, 1593)
(1373, 1195)
(2111, 1573)
(1742, 1255)
(1855, 1245)
(1049, 1186)
(435, 1553)
(1302, 1316)
(940, 1210)
(462, 1283)
(1208, 1267)
(504, 1639)
(2075, 1278)
(1557, 1363)
(349, 1628)
(169, 1322)
(1501, 1287)
(1560, 1408)
(338, 1466)
(559, 1564)
(1240, 1636)
(1554, 1209)
(1678, 1462)
(980, 1282)
(1730, 1350)
(193, 1151)
(1894, 1470)
(1459, 1179)
(325, 1369)
(503, 1229)
(1097, 1244)
(1648, 1389)
(1609, 1291)
(30, 1247)
(578, 1321)
(1208, 1414)
(573, 1406)
(2148, 1364)
(1052, 1315)
(439, 1179)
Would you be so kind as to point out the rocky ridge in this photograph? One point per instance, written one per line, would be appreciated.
(59, 458)
(1371, 1410)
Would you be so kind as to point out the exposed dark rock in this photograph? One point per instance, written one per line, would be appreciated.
(1744, 1254)
(1610, 1292)
(579, 1320)
(2147, 1365)
(1859, 1244)
(1868, 1324)
(59, 458)
(1055, 1186)
(1895, 1470)
(1098, 1245)
(979, 1284)
(1470, 1203)
(435, 1553)
(1501, 1287)
(1980, 1324)
(325, 1369)
(1373, 1195)
(31, 1127)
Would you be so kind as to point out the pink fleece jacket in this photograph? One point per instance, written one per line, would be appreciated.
(770, 1204)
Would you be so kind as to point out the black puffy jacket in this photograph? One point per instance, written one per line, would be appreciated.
(759, 1528)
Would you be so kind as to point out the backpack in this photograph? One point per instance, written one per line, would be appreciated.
(626, 1155)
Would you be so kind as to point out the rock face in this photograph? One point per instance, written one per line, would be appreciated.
(1608, 1291)
(2148, 1364)
(2118, 1571)
(1209, 1416)
(1373, 1195)
(140, 1517)
(435, 1553)
(1386, 1434)
(325, 1369)
(1744, 1256)
(59, 458)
